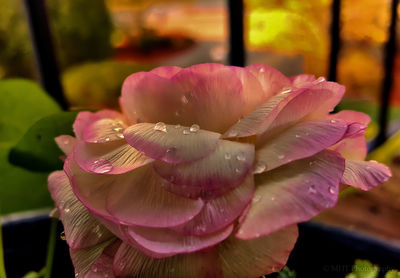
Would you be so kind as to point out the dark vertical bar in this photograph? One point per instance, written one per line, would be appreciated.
(390, 51)
(44, 50)
(236, 33)
(335, 40)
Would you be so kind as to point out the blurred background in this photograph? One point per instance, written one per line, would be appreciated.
(100, 42)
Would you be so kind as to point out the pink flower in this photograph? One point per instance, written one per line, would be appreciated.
(206, 172)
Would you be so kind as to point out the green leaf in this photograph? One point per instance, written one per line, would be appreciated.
(364, 269)
(37, 150)
(22, 104)
(392, 274)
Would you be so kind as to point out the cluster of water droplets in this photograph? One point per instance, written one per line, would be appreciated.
(160, 126)
(101, 166)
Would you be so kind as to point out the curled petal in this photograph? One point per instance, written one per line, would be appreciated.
(137, 198)
(213, 96)
(220, 212)
(65, 143)
(293, 193)
(256, 257)
(129, 262)
(108, 158)
(146, 95)
(227, 166)
(168, 242)
(271, 80)
(82, 230)
(302, 140)
(365, 174)
(172, 144)
(85, 119)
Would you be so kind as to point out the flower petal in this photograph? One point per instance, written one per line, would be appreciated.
(104, 130)
(129, 262)
(84, 119)
(293, 193)
(365, 174)
(173, 144)
(137, 198)
(227, 166)
(108, 158)
(302, 80)
(220, 212)
(302, 140)
(103, 266)
(256, 257)
(271, 80)
(83, 259)
(213, 96)
(149, 97)
(65, 143)
(82, 230)
(168, 242)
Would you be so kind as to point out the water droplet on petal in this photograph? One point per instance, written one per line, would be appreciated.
(117, 129)
(281, 156)
(298, 135)
(160, 126)
(228, 156)
(320, 79)
(259, 168)
(332, 190)
(256, 198)
(67, 210)
(232, 133)
(62, 235)
(312, 189)
(184, 99)
(262, 70)
(286, 91)
(101, 166)
(237, 170)
(120, 135)
(186, 131)
(194, 128)
(241, 157)
(107, 139)
(272, 198)
(333, 121)
(311, 163)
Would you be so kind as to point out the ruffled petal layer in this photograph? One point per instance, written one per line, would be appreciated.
(293, 193)
(82, 230)
(365, 175)
(256, 257)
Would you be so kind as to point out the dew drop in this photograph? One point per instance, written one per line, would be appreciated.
(117, 129)
(184, 99)
(120, 135)
(177, 113)
(194, 128)
(256, 198)
(160, 126)
(67, 210)
(107, 139)
(237, 170)
(312, 189)
(298, 135)
(259, 168)
(272, 198)
(101, 166)
(241, 157)
(333, 121)
(232, 133)
(332, 190)
(94, 269)
(228, 156)
(286, 91)
(62, 235)
(320, 79)
(281, 156)
(186, 131)
(262, 70)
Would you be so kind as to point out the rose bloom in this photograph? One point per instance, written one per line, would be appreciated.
(206, 172)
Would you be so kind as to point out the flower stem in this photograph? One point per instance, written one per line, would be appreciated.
(51, 247)
(2, 267)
